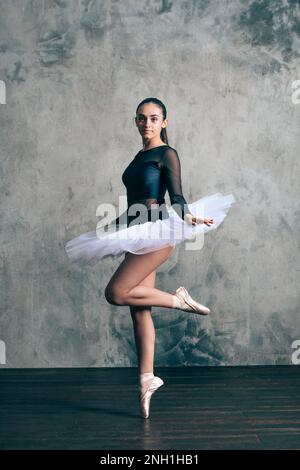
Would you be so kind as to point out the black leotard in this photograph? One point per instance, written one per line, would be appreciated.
(147, 178)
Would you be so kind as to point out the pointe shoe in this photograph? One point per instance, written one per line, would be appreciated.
(146, 392)
(188, 304)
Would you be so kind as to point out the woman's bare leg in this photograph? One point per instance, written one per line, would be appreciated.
(124, 287)
(144, 331)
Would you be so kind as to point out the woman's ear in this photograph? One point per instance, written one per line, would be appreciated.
(164, 123)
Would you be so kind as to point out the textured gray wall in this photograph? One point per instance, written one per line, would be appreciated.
(75, 72)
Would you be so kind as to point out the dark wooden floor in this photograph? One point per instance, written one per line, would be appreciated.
(254, 407)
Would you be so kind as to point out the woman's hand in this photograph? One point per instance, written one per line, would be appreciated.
(192, 220)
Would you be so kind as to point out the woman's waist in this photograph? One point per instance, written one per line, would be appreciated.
(146, 202)
(146, 210)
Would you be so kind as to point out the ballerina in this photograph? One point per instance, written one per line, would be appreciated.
(148, 240)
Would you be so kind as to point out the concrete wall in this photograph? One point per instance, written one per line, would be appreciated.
(74, 73)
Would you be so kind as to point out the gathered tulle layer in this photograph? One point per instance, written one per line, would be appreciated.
(150, 236)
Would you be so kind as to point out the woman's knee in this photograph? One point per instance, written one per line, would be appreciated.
(113, 296)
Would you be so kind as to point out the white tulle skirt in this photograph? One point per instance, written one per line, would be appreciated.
(150, 236)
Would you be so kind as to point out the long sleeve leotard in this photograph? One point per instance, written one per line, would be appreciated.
(147, 178)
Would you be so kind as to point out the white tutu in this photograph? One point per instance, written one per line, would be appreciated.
(150, 236)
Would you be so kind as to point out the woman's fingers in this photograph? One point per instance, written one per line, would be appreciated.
(207, 222)
(198, 220)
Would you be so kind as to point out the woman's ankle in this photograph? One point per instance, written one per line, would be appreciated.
(144, 376)
(176, 302)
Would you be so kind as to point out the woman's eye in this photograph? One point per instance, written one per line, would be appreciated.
(142, 119)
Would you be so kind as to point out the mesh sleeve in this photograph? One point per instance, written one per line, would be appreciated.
(171, 172)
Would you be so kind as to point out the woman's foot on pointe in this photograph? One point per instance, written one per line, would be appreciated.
(183, 301)
(147, 388)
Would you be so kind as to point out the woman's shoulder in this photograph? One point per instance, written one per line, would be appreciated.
(169, 154)
(167, 146)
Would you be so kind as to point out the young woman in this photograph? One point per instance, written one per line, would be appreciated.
(148, 240)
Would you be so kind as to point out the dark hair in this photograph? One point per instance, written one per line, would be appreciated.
(163, 132)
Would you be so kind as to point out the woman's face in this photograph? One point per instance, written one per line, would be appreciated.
(150, 121)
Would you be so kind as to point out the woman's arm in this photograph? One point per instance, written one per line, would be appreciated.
(171, 172)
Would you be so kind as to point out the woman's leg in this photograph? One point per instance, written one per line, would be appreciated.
(144, 331)
(124, 287)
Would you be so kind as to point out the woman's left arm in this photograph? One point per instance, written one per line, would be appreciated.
(171, 170)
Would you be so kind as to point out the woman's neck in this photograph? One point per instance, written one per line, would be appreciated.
(148, 146)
